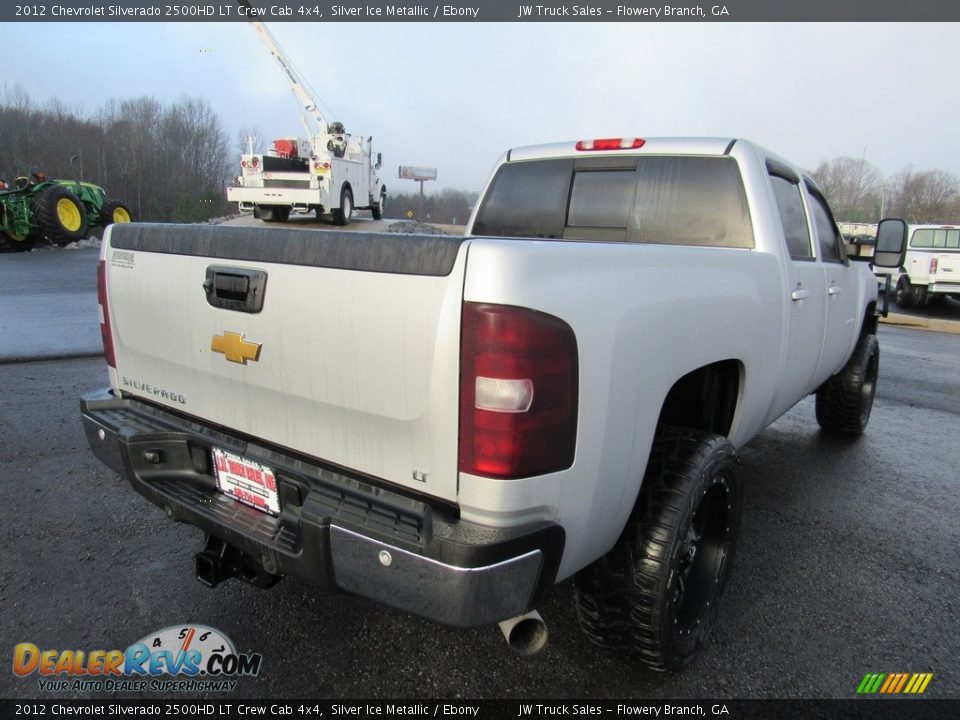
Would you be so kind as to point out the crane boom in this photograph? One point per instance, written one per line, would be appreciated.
(308, 106)
(330, 172)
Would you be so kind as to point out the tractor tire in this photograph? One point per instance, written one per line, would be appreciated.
(342, 215)
(844, 401)
(656, 594)
(16, 243)
(376, 209)
(114, 212)
(61, 217)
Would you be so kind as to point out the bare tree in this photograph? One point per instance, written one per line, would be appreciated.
(447, 206)
(17, 136)
(166, 162)
(853, 187)
(250, 140)
(133, 155)
(929, 196)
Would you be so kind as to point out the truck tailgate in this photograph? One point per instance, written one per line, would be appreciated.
(351, 360)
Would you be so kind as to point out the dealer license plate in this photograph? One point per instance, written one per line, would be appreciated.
(247, 481)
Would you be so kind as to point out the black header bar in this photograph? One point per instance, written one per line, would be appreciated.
(225, 706)
(320, 11)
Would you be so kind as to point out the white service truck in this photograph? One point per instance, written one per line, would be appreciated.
(931, 269)
(452, 425)
(331, 173)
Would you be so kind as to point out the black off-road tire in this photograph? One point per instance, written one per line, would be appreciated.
(62, 217)
(844, 401)
(655, 595)
(341, 216)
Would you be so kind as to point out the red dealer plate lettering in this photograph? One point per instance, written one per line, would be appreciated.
(247, 481)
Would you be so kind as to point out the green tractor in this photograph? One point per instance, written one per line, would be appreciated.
(60, 211)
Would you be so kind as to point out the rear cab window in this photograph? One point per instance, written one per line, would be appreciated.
(671, 200)
(936, 239)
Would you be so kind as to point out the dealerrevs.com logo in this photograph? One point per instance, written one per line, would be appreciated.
(182, 658)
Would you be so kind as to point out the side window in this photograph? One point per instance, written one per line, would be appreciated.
(828, 235)
(792, 217)
(922, 239)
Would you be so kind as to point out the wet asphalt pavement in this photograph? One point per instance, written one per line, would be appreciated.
(847, 561)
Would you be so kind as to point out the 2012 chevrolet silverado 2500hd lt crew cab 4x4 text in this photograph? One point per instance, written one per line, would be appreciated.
(452, 425)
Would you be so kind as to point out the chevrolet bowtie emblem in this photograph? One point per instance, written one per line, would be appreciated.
(235, 347)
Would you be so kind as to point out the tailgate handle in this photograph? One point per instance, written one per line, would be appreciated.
(233, 288)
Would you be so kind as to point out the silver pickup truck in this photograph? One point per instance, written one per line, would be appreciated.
(453, 425)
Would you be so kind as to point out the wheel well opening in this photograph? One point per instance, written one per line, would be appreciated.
(870, 320)
(705, 399)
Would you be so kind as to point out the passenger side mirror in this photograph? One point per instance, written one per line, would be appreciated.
(891, 243)
(379, 161)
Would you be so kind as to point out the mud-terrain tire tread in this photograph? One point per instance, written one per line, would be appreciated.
(843, 405)
(623, 600)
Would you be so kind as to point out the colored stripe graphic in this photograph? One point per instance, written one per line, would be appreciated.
(894, 683)
(870, 683)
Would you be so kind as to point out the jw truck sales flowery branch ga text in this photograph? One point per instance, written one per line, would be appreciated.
(535, 710)
(622, 11)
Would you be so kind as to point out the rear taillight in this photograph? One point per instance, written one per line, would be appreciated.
(105, 332)
(933, 266)
(518, 392)
(611, 144)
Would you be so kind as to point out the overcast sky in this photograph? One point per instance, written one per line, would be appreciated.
(455, 96)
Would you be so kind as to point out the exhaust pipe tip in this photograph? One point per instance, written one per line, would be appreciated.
(526, 634)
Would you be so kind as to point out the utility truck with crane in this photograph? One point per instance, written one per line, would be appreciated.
(331, 173)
